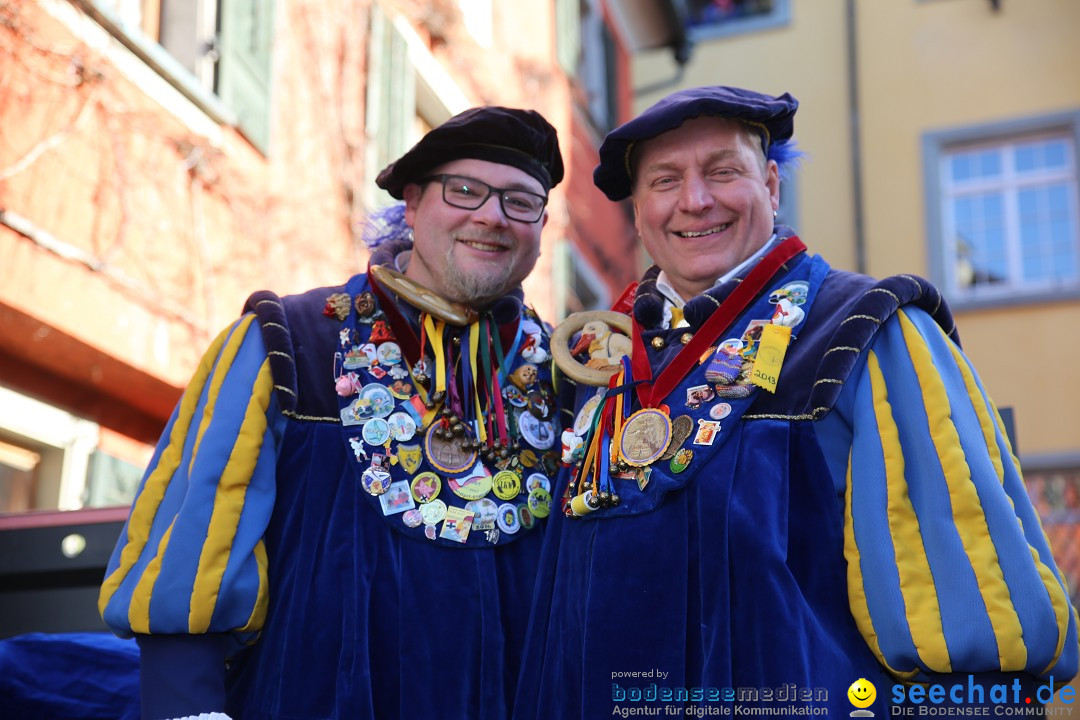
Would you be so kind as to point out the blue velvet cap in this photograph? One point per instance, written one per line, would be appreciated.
(772, 117)
(509, 136)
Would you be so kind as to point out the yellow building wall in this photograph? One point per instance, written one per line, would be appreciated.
(942, 64)
(922, 66)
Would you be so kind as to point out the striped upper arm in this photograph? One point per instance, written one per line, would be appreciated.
(191, 557)
(948, 566)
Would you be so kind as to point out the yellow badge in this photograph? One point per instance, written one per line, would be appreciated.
(409, 456)
(770, 356)
(507, 485)
(528, 458)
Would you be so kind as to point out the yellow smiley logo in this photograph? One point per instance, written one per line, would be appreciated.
(862, 693)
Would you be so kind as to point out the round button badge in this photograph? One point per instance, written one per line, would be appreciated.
(389, 353)
(525, 515)
(473, 486)
(539, 503)
(376, 431)
(375, 481)
(538, 433)
(537, 480)
(584, 418)
(425, 487)
(402, 426)
(507, 485)
(377, 399)
(507, 519)
(485, 513)
(433, 512)
(719, 411)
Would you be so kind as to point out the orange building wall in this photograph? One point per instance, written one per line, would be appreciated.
(134, 226)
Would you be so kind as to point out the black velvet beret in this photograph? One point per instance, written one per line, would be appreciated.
(520, 138)
(772, 117)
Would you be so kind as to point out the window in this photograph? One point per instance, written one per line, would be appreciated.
(598, 69)
(242, 64)
(20, 475)
(568, 35)
(1007, 221)
(588, 53)
(50, 459)
(577, 286)
(215, 52)
(478, 20)
(44, 453)
(707, 19)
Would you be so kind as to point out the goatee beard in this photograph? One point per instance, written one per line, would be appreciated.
(475, 289)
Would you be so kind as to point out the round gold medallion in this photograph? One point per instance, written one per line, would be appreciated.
(448, 455)
(645, 437)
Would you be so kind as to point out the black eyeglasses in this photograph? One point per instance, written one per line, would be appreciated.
(469, 194)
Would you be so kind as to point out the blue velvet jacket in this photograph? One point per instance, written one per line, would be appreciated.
(866, 521)
(252, 523)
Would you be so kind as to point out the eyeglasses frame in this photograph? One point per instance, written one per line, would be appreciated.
(492, 190)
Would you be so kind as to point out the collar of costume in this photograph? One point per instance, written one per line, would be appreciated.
(723, 314)
(672, 296)
(505, 312)
(649, 303)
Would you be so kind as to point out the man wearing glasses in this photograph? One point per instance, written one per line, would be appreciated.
(351, 483)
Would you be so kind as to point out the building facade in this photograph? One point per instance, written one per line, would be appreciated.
(160, 161)
(940, 139)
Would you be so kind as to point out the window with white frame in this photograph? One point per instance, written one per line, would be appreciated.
(598, 72)
(215, 52)
(706, 19)
(1008, 214)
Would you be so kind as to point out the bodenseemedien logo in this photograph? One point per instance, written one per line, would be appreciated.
(862, 694)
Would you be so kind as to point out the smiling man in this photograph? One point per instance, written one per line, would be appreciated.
(831, 497)
(345, 486)
(474, 254)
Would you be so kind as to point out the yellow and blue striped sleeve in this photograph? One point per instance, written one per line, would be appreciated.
(948, 566)
(191, 557)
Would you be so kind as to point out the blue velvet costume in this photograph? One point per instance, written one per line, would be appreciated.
(868, 515)
(252, 521)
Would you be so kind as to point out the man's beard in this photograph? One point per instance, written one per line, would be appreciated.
(476, 289)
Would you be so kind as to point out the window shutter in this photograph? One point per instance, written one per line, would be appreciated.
(243, 78)
(391, 98)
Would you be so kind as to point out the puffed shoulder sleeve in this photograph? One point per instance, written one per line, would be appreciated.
(948, 566)
(191, 558)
